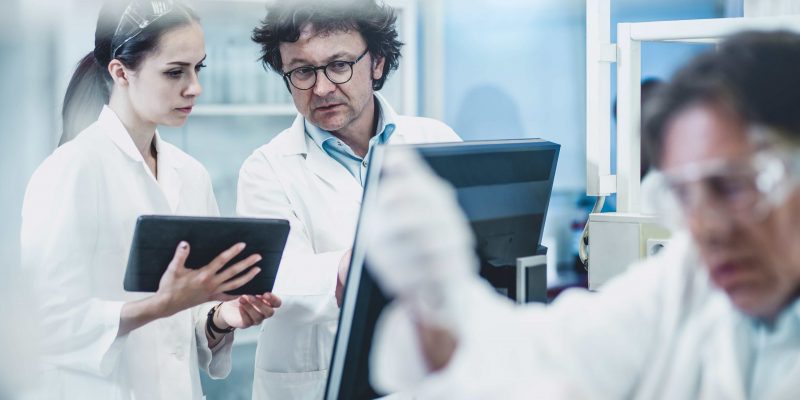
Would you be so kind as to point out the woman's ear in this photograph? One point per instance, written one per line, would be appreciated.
(118, 72)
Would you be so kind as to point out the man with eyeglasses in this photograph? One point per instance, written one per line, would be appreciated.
(333, 56)
(716, 315)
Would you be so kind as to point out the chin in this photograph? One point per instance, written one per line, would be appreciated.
(173, 122)
(330, 127)
(330, 124)
(755, 306)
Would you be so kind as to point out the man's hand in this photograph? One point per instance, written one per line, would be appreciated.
(438, 345)
(246, 311)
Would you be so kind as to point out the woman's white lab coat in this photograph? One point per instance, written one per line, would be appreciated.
(78, 218)
(292, 178)
(659, 331)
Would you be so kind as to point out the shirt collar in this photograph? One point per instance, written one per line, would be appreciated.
(387, 119)
(795, 309)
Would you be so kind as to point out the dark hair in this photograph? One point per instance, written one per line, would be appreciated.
(90, 86)
(648, 87)
(375, 22)
(752, 73)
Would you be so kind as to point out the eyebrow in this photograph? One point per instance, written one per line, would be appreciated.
(186, 64)
(302, 62)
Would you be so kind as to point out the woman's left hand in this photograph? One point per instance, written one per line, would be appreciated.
(246, 310)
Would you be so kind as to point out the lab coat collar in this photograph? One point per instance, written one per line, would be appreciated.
(296, 142)
(317, 161)
(168, 163)
(169, 179)
(325, 167)
(728, 352)
(389, 118)
(116, 131)
(331, 171)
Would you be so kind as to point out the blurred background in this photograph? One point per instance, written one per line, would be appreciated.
(490, 69)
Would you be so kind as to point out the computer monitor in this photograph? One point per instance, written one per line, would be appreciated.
(503, 187)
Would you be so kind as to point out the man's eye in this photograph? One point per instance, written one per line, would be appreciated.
(303, 72)
(338, 66)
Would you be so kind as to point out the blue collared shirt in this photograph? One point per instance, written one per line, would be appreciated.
(343, 154)
(775, 351)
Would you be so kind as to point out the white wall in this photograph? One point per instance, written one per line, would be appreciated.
(516, 69)
(764, 8)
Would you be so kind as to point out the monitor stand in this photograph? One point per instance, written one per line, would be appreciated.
(525, 282)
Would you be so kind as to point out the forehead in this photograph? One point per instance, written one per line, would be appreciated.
(317, 47)
(185, 43)
(704, 132)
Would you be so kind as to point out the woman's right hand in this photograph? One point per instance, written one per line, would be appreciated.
(181, 288)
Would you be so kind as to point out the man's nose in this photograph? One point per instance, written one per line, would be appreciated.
(323, 86)
(711, 224)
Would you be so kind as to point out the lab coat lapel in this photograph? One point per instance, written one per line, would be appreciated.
(333, 173)
(168, 177)
(319, 163)
(724, 360)
(398, 136)
(788, 388)
(113, 127)
(167, 183)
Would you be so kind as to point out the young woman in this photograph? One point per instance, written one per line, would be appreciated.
(100, 342)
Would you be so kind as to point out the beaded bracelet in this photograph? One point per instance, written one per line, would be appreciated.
(211, 327)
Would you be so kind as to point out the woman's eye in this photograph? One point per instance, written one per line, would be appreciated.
(175, 73)
(198, 67)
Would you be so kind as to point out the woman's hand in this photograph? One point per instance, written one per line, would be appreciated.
(246, 311)
(181, 288)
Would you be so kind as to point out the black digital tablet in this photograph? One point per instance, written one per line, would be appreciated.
(157, 236)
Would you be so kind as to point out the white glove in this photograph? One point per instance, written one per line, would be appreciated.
(417, 235)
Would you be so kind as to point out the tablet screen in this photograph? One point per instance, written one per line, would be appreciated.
(157, 236)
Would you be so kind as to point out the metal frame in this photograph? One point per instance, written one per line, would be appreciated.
(627, 54)
(600, 53)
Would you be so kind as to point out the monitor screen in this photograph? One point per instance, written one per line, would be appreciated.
(504, 189)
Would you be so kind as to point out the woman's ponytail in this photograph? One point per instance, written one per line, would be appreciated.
(87, 92)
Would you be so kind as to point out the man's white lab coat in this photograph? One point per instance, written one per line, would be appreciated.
(292, 178)
(78, 218)
(659, 331)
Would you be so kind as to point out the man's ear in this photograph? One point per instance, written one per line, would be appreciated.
(118, 72)
(377, 67)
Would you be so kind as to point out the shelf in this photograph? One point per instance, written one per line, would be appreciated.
(267, 110)
(708, 30)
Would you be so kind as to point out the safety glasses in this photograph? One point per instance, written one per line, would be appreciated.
(747, 190)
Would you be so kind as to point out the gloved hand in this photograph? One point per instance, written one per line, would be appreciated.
(417, 235)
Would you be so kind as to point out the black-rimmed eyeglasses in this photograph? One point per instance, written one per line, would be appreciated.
(338, 72)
